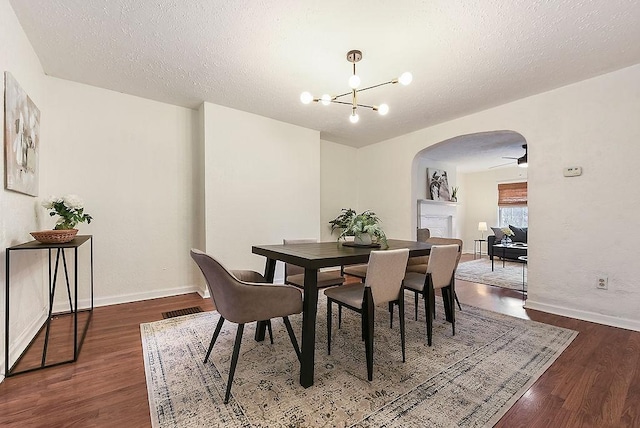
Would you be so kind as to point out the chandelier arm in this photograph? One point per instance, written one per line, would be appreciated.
(378, 85)
(367, 88)
(351, 104)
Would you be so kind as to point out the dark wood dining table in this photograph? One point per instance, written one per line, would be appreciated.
(314, 256)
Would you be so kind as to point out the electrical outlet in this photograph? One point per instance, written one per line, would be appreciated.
(603, 283)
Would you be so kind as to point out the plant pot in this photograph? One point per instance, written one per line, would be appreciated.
(362, 239)
(55, 236)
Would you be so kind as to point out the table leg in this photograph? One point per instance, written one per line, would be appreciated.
(7, 365)
(494, 253)
(269, 273)
(309, 311)
(504, 254)
(524, 264)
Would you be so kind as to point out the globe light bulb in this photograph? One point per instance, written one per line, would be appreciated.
(383, 109)
(354, 81)
(354, 118)
(306, 97)
(405, 78)
(326, 99)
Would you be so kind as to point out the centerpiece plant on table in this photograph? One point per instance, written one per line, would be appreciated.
(364, 227)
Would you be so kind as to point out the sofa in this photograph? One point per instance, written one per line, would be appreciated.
(519, 238)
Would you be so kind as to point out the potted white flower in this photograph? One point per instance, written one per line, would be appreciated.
(70, 209)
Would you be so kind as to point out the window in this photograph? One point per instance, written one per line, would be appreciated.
(512, 204)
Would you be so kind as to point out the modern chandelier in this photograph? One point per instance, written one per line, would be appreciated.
(354, 56)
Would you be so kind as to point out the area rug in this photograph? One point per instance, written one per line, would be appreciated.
(479, 271)
(467, 380)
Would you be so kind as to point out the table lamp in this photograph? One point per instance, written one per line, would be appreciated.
(482, 227)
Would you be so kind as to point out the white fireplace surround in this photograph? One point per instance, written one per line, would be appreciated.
(438, 217)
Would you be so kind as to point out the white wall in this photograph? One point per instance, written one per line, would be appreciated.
(480, 201)
(262, 184)
(134, 162)
(18, 212)
(338, 184)
(579, 227)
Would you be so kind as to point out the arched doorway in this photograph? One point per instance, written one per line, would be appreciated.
(474, 164)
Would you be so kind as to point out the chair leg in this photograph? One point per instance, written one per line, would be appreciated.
(270, 331)
(368, 314)
(390, 314)
(234, 361)
(214, 338)
(452, 292)
(329, 316)
(457, 301)
(292, 336)
(448, 302)
(402, 336)
(339, 316)
(428, 309)
(415, 301)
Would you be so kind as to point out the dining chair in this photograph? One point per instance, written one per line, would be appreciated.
(421, 267)
(383, 284)
(419, 264)
(242, 302)
(294, 275)
(415, 264)
(440, 275)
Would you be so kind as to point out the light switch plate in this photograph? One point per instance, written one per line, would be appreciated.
(572, 171)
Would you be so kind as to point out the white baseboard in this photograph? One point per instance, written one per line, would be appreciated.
(625, 323)
(20, 343)
(128, 298)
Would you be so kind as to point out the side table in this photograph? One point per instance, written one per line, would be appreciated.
(73, 305)
(524, 260)
(478, 243)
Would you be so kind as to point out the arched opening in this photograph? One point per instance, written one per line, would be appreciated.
(473, 165)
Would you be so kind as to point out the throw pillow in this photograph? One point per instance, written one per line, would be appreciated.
(519, 234)
(497, 231)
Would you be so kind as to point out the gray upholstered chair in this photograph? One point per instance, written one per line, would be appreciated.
(294, 275)
(242, 302)
(383, 284)
(440, 275)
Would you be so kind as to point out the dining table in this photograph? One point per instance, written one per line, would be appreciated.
(312, 257)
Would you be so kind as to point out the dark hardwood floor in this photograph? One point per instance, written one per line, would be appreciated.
(594, 383)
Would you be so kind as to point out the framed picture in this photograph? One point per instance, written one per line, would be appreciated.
(437, 185)
(21, 139)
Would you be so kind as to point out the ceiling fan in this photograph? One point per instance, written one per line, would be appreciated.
(521, 161)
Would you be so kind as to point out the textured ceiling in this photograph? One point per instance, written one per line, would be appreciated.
(258, 56)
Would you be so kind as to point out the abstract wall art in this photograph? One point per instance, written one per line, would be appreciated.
(437, 185)
(21, 139)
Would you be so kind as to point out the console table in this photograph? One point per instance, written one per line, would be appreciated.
(73, 306)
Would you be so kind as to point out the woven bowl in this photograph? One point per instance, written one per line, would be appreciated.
(55, 236)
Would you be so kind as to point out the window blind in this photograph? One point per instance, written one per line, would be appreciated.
(510, 194)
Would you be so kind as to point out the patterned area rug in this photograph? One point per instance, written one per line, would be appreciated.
(479, 271)
(470, 379)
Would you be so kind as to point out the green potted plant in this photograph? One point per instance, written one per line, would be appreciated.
(365, 227)
(454, 194)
